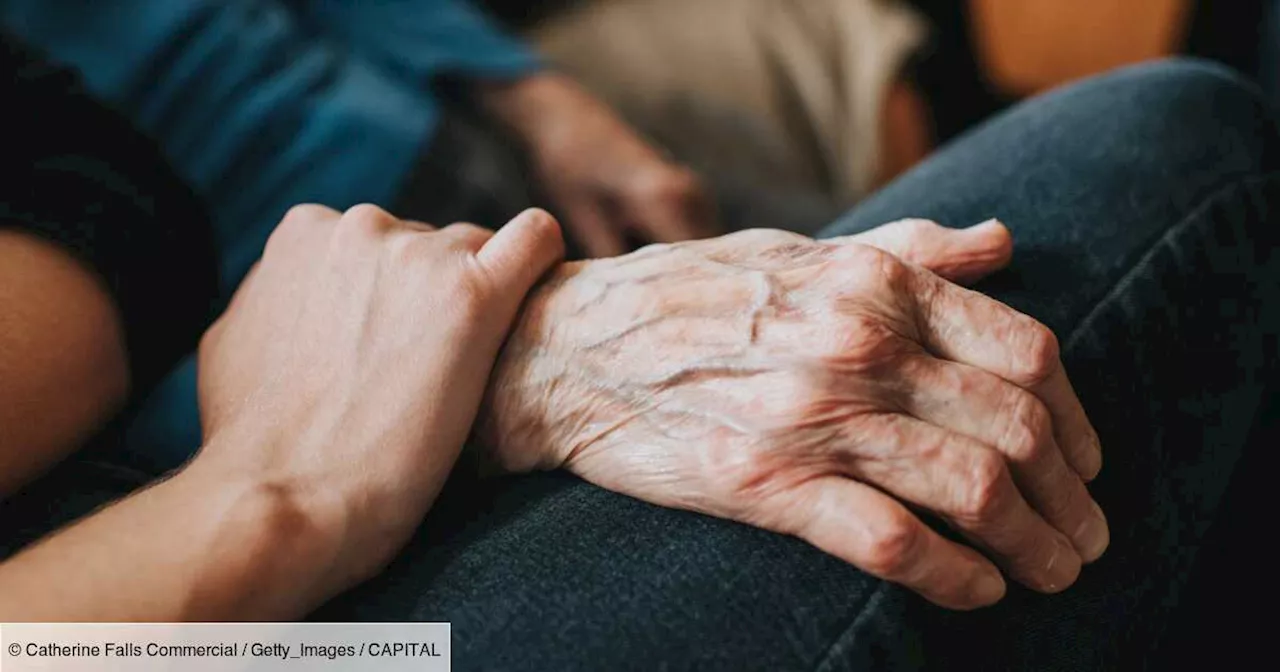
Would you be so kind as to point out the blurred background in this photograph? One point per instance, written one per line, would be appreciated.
(859, 90)
(984, 54)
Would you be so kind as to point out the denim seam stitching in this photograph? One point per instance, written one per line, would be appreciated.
(851, 633)
(1129, 277)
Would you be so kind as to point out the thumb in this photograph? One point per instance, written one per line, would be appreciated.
(524, 250)
(959, 255)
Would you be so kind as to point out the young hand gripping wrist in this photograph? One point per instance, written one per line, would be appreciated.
(336, 393)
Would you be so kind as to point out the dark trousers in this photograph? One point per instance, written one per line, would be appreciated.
(1145, 207)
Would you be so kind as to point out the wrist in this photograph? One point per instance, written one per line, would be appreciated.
(277, 547)
(520, 426)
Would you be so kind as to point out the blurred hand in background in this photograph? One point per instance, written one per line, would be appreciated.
(614, 190)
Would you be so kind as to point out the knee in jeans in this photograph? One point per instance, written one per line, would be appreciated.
(1197, 78)
(1205, 109)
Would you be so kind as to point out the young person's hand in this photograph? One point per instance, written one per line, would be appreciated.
(610, 185)
(346, 373)
(336, 393)
(815, 388)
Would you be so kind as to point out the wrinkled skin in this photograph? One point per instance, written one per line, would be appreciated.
(815, 388)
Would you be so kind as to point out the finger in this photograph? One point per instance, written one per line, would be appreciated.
(959, 255)
(466, 235)
(993, 411)
(370, 219)
(301, 223)
(967, 327)
(419, 225)
(1072, 428)
(870, 530)
(673, 207)
(593, 231)
(311, 212)
(524, 250)
(970, 486)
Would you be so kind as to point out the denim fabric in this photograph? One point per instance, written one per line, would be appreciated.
(1143, 206)
(1140, 204)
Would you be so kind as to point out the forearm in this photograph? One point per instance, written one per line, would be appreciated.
(63, 369)
(205, 545)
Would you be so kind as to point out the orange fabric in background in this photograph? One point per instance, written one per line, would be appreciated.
(1026, 46)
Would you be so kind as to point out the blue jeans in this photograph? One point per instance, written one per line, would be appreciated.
(1144, 206)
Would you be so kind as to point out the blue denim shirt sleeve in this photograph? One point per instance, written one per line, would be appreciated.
(422, 38)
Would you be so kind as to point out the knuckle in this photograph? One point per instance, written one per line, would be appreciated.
(985, 492)
(859, 255)
(893, 548)
(368, 219)
(1028, 427)
(745, 474)
(879, 269)
(767, 238)
(306, 213)
(794, 400)
(1037, 358)
(299, 221)
(859, 343)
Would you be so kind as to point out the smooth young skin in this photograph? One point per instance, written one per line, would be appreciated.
(336, 393)
(610, 185)
(815, 388)
(63, 369)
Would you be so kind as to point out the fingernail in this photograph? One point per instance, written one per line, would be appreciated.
(1094, 535)
(988, 588)
(1062, 568)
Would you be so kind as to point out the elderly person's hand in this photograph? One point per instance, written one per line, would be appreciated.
(815, 388)
(610, 185)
